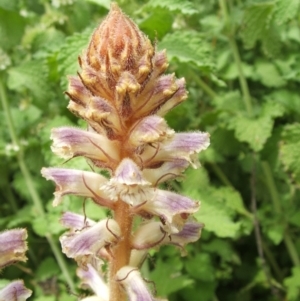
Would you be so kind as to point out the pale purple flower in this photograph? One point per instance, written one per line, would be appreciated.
(136, 288)
(85, 245)
(76, 182)
(12, 246)
(90, 278)
(15, 291)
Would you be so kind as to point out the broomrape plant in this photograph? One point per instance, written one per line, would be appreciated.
(122, 94)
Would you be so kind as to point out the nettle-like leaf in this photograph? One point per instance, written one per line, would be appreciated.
(185, 7)
(67, 58)
(289, 149)
(286, 10)
(32, 76)
(256, 131)
(195, 51)
(218, 213)
(259, 26)
(293, 285)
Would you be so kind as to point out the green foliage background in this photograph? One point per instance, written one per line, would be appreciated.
(241, 62)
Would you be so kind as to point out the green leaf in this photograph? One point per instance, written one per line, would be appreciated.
(185, 7)
(293, 285)
(256, 20)
(32, 76)
(67, 58)
(289, 149)
(157, 24)
(103, 3)
(168, 277)
(200, 267)
(286, 10)
(11, 28)
(9, 4)
(47, 269)
(268, 74)
(256, 131)
(191, 49)
(215, 215)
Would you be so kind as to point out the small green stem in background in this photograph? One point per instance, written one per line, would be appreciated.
(205, 87)
(30, 185)
(277, 207)
(221, 175)
(237, 58)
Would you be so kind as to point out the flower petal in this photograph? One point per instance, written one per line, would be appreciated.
(180, 146)
(131, 279)
(76, 182)
(150, 129)
(167, 171)
(172, 208)
(71, 142)
(190, 232)
(75, 221)
(148, 236)
(15, 291)
(12, 246)
(91, 278)
(86, 244)
(128, 184)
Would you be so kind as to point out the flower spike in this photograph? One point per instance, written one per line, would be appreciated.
(122, 93)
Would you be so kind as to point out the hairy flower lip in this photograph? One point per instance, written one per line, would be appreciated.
(150, 129)
(77, 182)
(12, 246)
(169, 207)
(15, 291)
(71, 142)
(128, 184)
(180, 146)
(86, 244)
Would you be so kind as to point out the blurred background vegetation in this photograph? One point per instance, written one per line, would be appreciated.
(241, 62)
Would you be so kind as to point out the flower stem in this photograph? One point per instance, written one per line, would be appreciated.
(237, 58)
(121, 252)
(291, 248)
(30, 185)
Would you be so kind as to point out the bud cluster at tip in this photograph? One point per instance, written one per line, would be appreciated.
(122, 94)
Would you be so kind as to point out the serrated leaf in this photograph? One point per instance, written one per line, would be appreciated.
(11, 28)
(286, 10)
(191, 49)
(185, 7)
(31, 75)
(289, 150)
(256, 20)
(67, 58)
(256, 131)
(216, 216)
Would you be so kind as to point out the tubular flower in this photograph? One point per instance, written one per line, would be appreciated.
(123, 95)
(12, 249)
